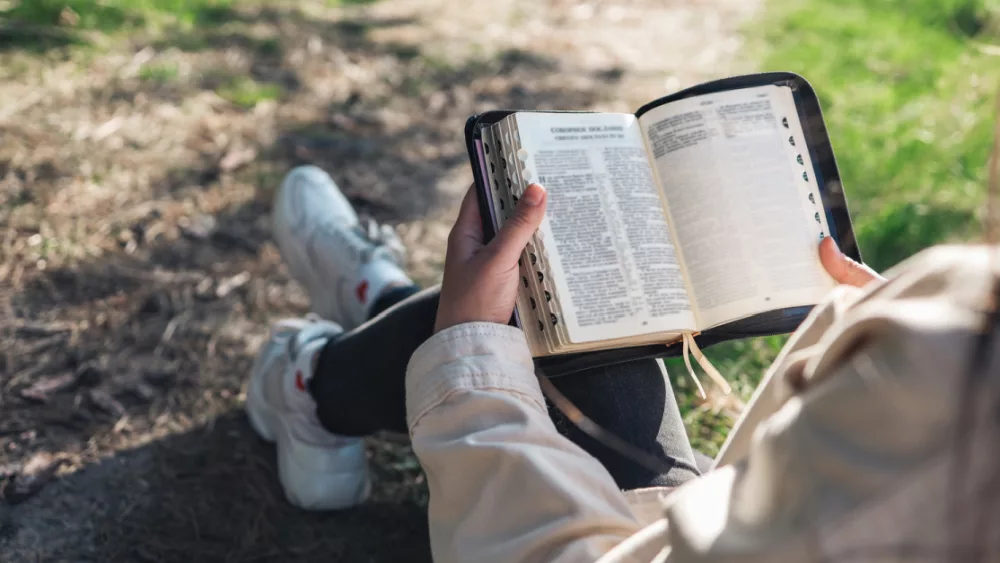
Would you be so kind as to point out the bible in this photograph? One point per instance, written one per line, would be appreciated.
(697, 217)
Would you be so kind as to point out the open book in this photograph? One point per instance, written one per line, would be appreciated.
(700, 212)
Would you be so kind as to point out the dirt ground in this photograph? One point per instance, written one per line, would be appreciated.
(136, 273)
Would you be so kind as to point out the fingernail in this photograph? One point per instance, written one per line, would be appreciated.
(533, 194)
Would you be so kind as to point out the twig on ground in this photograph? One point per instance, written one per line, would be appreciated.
(169, 331)
(27, 328)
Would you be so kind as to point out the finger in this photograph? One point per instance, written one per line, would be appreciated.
(517, 231)
(841, 268)
(467, 234)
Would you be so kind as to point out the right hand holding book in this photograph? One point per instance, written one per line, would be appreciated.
(481, 280)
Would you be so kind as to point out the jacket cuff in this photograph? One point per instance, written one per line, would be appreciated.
(468, 357)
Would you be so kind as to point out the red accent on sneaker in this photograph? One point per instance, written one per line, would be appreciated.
(300, 382)
(362, 291)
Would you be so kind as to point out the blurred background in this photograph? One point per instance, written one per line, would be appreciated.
(142, 140)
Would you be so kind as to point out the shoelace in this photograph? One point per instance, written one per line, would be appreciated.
(382, 236)
(691, 348)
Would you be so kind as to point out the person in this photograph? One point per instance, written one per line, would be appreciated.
(509, 479)
(320, 385)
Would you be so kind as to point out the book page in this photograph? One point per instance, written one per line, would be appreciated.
(605, 236)
(536, 303)
(739, 187)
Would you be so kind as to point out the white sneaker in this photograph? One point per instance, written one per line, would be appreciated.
(318, 470)
(344, 263)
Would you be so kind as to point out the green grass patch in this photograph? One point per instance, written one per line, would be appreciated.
(907, 91)
(117, 15)
(158, 72)
(247, 93)
(85, 14)
(908, 95)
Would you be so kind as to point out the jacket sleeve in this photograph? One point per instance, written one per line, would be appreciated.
(504, 484)
(848, 452)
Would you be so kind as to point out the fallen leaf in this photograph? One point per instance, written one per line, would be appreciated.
(105, 402)
(236, 158)
(204, 288)
(38, 471)
(43, 389)
(199, 227)
(227, 285)
(343, 122)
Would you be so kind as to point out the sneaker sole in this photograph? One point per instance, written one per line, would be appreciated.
(305, 471)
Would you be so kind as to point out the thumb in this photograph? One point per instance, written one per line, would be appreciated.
(517, 231)
(841, 268)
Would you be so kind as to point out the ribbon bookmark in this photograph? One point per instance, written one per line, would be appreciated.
(691, 348)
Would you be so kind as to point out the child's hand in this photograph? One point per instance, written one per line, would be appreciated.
(481, 281)
(842, 269)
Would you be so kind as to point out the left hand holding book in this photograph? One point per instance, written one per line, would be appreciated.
(842, 269)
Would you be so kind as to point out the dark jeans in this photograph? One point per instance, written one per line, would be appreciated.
(359, 388)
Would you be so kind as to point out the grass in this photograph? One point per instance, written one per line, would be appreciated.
(907, 88)
(159, 72)
(908, 94)
(40, 25)
(111, 15)
(247, 93)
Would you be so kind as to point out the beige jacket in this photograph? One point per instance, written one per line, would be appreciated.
(846, 451)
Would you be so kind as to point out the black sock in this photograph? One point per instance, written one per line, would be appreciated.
(391, 297)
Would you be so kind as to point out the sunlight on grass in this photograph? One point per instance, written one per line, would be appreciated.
(907, 94)
(247, 93)
(161, 73)
(907, 88)
(113, 15)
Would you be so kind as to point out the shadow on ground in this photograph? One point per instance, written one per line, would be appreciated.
(211, 494)
(128, 365)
